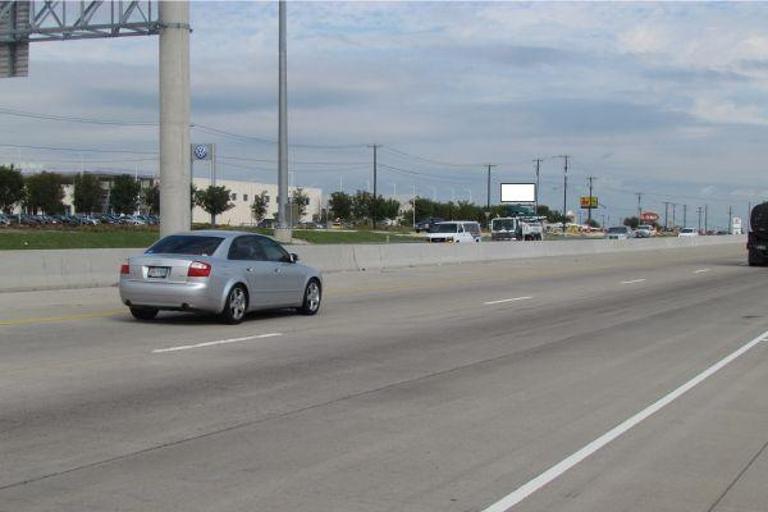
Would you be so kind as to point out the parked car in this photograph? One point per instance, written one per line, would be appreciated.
(225, 272)
(4, 220)
(688, 232)
(455, 231)
(427, 224)
(619, 233)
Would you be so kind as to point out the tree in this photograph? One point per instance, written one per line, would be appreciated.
(592, 223)
(45, 192)
(124, 194)
(301, 201)
(361, 205)
(150, 199)
(260, 205)
(632, 222)
(87, 193)
(215, 200)
(194, 196)
(11, 188)
(341, 204)
(388, 208)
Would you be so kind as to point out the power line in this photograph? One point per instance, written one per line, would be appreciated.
(72, 119)
(79, 150)
(430, 160)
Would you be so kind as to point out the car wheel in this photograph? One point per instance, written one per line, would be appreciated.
(236, 305)
(313, 294)
(755, 261)
(144, 313)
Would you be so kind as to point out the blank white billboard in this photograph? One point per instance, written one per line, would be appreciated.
(518, 192)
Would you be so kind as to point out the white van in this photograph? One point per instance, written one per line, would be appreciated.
(456, 231)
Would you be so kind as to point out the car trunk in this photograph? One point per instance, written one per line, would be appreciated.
(162, 268)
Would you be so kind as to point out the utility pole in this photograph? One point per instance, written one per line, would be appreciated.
(639, 207)
(666, 215)
(488, 192)
(565, 192)
(283, 232)
(674, 215)
(175, 173)
(589, 210)
(538, 173)
(375, 199)
(699, 209)
(685, 215)
(414, 206)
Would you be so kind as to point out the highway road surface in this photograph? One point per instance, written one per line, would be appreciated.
(621, 382)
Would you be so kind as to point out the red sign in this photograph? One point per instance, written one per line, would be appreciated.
(649, 217)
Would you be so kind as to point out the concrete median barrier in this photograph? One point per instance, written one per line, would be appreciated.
(80, 268)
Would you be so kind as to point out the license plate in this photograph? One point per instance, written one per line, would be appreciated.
(157, 272)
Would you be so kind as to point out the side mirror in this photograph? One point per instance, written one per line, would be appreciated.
(294, 257)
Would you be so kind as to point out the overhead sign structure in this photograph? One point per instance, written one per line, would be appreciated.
(27, 21)
(14, 52)
(589, 202)
(518, 192)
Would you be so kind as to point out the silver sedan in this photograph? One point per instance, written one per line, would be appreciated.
(225, 272)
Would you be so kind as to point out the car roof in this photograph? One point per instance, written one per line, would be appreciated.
(222, 233)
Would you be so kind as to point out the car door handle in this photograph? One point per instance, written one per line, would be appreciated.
(277, 271)
(249, 269)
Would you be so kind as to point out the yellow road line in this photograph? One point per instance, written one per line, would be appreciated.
(63, 318)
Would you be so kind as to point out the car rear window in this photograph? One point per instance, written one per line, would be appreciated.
(186, 244)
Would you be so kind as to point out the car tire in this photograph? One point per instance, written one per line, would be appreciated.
(235, 306)
(755, 260)
(144, 313)
(313, 295)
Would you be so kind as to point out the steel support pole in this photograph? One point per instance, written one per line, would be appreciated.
(175, 158)
(283, 231)
(488, 190)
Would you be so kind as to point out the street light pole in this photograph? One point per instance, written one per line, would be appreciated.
(565, 192)
(283, 231)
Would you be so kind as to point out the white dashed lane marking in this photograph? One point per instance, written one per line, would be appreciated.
(217, 342)
(502, 301)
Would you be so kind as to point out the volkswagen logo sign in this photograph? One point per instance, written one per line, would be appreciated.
(201, 151)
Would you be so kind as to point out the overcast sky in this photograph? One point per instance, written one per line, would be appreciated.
(664, 99)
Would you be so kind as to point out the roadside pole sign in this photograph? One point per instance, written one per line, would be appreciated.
(588, 202)
(649, 217)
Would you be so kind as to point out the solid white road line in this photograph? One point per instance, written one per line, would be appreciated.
(633, 281)
(564, 465)
(701, 270)
(515, 299)
(218, 342)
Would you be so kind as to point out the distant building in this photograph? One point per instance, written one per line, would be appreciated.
(242, 194)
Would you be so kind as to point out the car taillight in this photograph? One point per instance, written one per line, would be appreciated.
(125, 269)
(199, 269)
